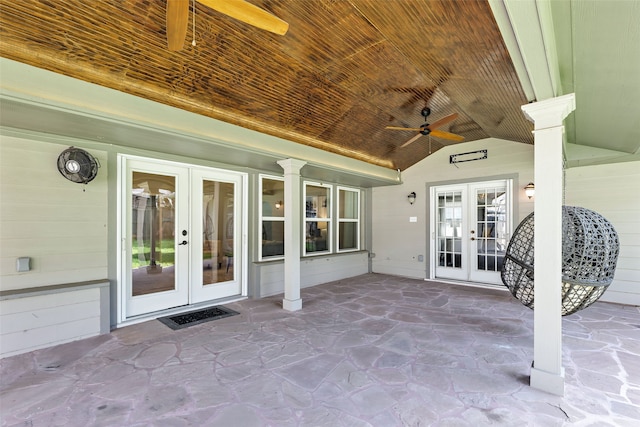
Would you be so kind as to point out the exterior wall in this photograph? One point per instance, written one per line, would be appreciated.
(611, 190)
(313, 271)
(398, 243)
(614, 192)
(62, 227)
(33, 319)
(69, 232)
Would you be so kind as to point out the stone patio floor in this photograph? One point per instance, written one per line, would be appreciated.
(374, 350)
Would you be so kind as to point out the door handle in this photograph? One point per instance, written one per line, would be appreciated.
(473, 238)
(184, 242)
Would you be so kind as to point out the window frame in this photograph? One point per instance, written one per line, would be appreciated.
(262, 218)
(328, 219)
(340, 220)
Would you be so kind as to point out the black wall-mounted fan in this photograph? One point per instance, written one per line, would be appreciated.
(77, 165)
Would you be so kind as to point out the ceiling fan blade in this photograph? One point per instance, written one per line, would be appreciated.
(411, 140)
(442, 121)
(177, 20)
(248, 13)
(401, 128)
(446, 135)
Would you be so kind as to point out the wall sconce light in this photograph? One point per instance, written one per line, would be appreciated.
(278, 204)
(530, 190)
(412, 197)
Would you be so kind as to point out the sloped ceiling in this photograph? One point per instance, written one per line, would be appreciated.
(344, 71)
(348, 68)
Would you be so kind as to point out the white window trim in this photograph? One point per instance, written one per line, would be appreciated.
(341, 220)
(330, 211)
(262, 218)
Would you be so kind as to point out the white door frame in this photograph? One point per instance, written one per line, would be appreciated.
(200, 293)
(124, 219)
(467, 244)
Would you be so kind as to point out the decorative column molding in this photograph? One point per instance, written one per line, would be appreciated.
(292, 233)
(550, 112)
(547, 372)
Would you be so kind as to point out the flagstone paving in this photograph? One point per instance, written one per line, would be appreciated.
(374, 350)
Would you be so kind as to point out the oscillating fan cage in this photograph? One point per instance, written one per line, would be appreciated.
(77, 165)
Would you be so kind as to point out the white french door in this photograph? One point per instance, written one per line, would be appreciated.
(217, 239)
(470, 229)
(182, 235)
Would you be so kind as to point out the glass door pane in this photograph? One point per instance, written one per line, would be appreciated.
(152, 233)
(491, 223)
(491, 219)
(155, 259)
(216, 228)
(218, 232)
(449, 229)
(450, 244)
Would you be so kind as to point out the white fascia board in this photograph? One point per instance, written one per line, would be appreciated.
(527, 30)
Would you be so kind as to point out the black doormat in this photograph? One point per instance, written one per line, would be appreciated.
(184, 320)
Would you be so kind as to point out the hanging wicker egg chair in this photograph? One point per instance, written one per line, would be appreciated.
(590, 249)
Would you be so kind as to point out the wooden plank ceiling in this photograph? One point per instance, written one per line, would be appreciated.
(344, 71)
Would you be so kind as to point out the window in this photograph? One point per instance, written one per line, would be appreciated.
(317, 221)
(272, 217)
(320, 213)
(348, 219)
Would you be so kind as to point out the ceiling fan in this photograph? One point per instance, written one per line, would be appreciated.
(431, 129)
(178, 18)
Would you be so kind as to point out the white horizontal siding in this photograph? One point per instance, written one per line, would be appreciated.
(627, 262)
(53, 229)
(313, 271)
(271, 279)
(18, 247)
(43, 302)
(40, 321)
(47, 336)
(400, 268)
(60, 225)
(622, 285)
(614, 294)
(629, 274)
(34, 319)
(613, 191)
(323, 269)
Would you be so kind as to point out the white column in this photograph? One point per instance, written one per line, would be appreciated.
(292, 233)
(547, 373)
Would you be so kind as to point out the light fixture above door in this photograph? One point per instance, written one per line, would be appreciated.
(530, 190)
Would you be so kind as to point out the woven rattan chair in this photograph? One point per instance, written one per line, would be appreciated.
(590, 249)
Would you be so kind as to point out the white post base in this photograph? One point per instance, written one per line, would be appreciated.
(547, 381)
(292, 305)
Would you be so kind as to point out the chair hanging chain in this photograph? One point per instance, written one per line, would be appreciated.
(193, 28)
(564, 180)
